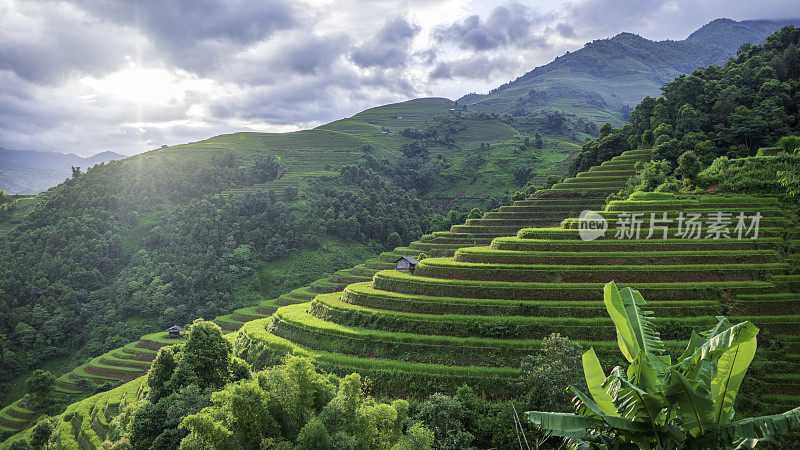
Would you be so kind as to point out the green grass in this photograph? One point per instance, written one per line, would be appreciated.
(132, 240)
(24, 205)
(307, 265)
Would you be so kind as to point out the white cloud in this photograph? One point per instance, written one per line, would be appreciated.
(86, 76)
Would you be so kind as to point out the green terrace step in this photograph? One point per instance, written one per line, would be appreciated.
(777, 403)
(250, 313)
(409, 284)
(286, 299)
(598, 189)
(228, 323)
(727, 226)
(774, 303)
(672, 233)
(680, 204)
(614, 257)
(445, 268)
(589, 184)
(298, 325)
(549, 210)
(408, 379)
(637, 245)
(534, 215)
(613, 169)
(331, 308)
(598, 177)
(362, 294)
(606, 173)
(267, 307)
(783, 383)
(556, 199)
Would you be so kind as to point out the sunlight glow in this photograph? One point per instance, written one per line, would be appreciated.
(141, 86)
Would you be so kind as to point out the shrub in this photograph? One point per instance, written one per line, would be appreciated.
(545, 376)
(789, 144)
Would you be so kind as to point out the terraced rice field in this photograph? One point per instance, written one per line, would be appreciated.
(545, 208)
(278, 186)
(85, 424)
(472, 317)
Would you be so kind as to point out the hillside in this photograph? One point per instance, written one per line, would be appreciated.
(603, 80)
(472, 318)
(30, 172)
(211, 226)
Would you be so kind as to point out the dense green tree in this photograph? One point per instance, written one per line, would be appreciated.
(40, 387)
(689, 166)
(207, 354)
(294, 406)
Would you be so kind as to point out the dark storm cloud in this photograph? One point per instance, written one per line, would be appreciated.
(474, 67)
(197, 35)
(656, 19)
(508, 24)
(565, 30)
(388, 47)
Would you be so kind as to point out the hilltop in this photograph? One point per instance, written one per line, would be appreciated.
(607, 77)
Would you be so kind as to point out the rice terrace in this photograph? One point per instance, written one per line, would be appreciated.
(212, 238)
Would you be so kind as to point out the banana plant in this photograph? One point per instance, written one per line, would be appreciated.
(660, 404)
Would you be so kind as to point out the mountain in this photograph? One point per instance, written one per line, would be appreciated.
(607, 77)
(31, 172)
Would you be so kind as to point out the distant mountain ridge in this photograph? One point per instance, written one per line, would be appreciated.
(31, 172)
(606, 77)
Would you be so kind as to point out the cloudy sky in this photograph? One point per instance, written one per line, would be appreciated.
(86, 76)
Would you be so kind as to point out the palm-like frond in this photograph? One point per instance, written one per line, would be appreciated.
(731, 369)
(595, 379)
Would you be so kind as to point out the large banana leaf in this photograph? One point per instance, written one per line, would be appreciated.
(643, 375)
(565, 424)
(693, 401)
(746, 433)
(591, 409)
(731, 369)
(718, 344)
(625, 335)
(595, 378)
(640, 321)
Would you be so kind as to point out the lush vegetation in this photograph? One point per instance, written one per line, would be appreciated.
(131, 246)
(732, 110)
(658, 404)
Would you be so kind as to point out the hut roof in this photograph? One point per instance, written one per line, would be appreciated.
(410, 259)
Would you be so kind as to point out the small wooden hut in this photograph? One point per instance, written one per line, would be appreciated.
(406, 264)
(174, 332)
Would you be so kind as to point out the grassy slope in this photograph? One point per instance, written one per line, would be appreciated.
(24, 206)
(307, 153)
